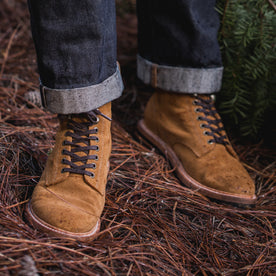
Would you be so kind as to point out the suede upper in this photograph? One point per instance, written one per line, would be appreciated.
(70, 201)
(175, 118)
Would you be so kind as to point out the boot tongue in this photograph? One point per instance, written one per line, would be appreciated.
(80, 134)
(220, 136)
(82, 125)
(211, 120)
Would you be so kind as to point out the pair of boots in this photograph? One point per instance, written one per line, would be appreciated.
(70, 196)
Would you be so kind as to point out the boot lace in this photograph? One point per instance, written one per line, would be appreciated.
(211, 120)
(81, 134)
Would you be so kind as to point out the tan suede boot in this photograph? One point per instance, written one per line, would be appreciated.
(70, 196)
(188, 130)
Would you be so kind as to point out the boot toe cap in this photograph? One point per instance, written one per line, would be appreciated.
(240, 184)
(54, 212)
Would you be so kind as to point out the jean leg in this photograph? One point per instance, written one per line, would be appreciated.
(178, 47)
(76, 53)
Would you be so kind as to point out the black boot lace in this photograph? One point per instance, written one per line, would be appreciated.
(81, 134)
(211, 120)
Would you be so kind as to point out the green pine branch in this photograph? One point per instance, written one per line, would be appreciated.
(247, 39)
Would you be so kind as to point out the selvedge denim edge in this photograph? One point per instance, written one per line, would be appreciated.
(180, 79)
(84, 99)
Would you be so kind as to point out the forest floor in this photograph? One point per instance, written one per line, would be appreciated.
(151, 224)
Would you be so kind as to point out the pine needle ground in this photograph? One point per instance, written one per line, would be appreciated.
(151, 225)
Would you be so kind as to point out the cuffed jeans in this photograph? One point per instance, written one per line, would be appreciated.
(76, 50)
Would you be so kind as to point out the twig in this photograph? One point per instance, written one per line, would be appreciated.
(272, 4)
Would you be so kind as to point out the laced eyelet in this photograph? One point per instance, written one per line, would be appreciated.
(199, 118)
(197, 110)
(83, 138)
(195, 102)
(206, 133)
(210, 142)
(96, 158)
(202, 125)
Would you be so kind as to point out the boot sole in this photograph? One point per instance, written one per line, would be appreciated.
(57, 232)
(185, 178)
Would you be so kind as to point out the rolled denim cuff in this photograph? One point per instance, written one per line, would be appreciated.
(180, 79)
(83, 99)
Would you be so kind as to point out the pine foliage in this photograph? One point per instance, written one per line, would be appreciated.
(247, 39)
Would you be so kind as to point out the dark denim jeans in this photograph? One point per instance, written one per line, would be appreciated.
(76, 49)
